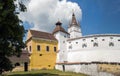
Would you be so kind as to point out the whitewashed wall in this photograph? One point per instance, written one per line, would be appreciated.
(103, 52)
(89, 41)
(90, 69)
(100, 55)
(74, 31)
(62, 46)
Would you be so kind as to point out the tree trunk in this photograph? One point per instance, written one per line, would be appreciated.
(0, 71)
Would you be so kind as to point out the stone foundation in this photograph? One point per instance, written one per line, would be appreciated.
(92, 69)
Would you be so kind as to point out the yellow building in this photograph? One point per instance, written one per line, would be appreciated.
(42, 47)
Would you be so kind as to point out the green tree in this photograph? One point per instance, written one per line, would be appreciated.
(11, 32)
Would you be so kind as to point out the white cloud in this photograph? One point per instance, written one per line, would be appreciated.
(45, 13)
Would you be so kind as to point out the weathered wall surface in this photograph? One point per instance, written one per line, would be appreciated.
(89, 69)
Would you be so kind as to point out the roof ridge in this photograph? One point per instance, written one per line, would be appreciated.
(41, 34)
(41, 31)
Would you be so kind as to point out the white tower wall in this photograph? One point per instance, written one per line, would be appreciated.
(62, 46)
(74, 32)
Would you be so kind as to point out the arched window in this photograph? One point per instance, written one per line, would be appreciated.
(111, 44)
(95, 44)
(84, 45)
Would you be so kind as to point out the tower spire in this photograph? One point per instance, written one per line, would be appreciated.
(74, 22)
(74, 28)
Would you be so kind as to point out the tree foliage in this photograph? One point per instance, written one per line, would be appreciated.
(11, 32)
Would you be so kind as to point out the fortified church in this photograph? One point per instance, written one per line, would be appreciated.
(70, 51)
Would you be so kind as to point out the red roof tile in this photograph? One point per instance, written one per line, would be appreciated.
(44, 35)
(23, 58)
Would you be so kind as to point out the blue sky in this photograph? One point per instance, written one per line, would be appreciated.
(98, 16)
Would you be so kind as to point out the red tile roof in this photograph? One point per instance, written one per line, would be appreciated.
(44, 35)
(23, 58)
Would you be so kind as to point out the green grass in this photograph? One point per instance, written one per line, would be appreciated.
(44, 73)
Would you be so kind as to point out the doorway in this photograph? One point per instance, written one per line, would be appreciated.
(26, 66)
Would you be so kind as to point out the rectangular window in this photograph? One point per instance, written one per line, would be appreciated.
(47, 48)
(29, 48)
(38, 47)
(54, 49)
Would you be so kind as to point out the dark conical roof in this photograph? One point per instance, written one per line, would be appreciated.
(74, 21)
(59, 28)
(58, 23)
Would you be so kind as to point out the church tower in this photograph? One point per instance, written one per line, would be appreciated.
(61, 35)
(74, 28)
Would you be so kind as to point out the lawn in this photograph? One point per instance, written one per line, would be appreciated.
(44, 73)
